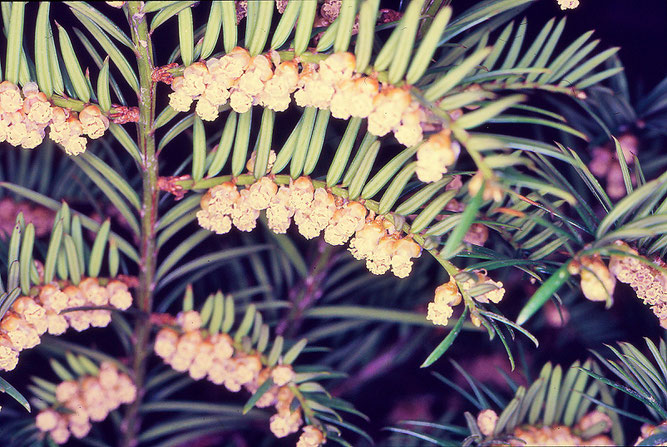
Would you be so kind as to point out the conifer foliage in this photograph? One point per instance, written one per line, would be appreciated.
(441, 167)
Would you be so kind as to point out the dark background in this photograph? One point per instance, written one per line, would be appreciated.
(400, 390)
(639, 27)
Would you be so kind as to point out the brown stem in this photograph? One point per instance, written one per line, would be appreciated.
(309, 291)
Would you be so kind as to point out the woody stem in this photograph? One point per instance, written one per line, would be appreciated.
(148, 251)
